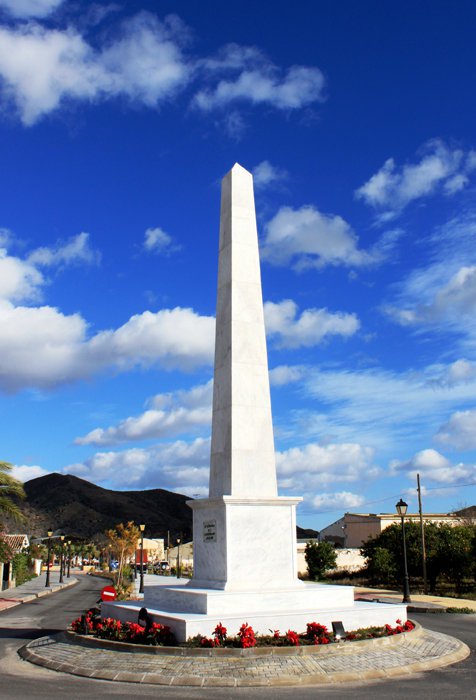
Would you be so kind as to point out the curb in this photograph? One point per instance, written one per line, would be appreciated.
(171, 672)
(7, 603)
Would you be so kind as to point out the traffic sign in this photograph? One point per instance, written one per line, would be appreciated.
(108, 593)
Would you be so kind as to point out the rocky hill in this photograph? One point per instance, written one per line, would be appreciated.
(81, 509)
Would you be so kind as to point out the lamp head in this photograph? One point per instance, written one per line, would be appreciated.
(62, 536)
(50, 532)
(142, 527)
(401, 507)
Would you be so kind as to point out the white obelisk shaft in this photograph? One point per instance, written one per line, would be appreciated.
(242, 452)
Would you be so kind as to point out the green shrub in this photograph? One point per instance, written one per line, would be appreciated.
(22, 568)
(320, 557)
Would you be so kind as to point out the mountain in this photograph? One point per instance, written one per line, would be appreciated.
(79, 508)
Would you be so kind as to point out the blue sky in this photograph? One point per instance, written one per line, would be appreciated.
(117, 123)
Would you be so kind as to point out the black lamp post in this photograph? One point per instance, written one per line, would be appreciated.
(61, 557)
(50, 533)
(178, 558)
(402, 511)
(69, 559)
(141, 587)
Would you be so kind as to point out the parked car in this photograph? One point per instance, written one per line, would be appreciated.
(161, 566)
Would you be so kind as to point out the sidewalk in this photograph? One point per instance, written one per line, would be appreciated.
(420, 603)
(33, 589)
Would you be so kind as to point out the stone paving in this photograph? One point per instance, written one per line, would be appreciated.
(412, 652)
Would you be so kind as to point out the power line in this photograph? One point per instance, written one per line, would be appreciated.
(388, 498)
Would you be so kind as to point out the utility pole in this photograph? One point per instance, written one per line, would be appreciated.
(422, 530)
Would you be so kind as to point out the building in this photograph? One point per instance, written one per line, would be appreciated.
(154, 548)
(16, 543)
(353, 529)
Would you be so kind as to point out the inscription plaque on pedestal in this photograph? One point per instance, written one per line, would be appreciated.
(210, 531)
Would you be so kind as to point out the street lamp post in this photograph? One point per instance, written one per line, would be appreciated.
(69, 559)
(141, 587)
(402, 511)
(50, 533)
(61, 558)
(178, 558)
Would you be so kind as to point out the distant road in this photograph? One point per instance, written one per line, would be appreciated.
(20, 679)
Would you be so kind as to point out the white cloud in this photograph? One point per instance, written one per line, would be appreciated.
(309, 467)
(265, 174)
(453, 302)
(391, 189)
(41, 68)
(156, 240)
(177, 466)
(459, 431)
(310, 328)
(433, 466)
(442, 295)
(458, 372)
(5, 237)
(384, 409)
(24, 9)
(23, 472)
(285, 374)
(76, 250)
(41, 347)
(307, 238)
(341, 500)
(172, 414)
(19, 280)
(253, 78)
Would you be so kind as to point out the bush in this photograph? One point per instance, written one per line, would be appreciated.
(449, 554)
(22, 568)
(319, 559)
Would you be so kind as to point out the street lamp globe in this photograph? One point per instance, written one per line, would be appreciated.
(402, 508)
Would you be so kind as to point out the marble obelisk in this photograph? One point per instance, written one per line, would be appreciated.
(243, 503)
(242, 452)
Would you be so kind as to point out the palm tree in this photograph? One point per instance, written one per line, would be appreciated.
(10, 487)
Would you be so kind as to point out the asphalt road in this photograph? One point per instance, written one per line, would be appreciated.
(20, 679)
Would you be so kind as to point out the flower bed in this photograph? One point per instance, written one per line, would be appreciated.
(115, 630)
(315, 634)
(156, 634)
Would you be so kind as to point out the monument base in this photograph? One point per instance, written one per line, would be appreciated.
(191, 611)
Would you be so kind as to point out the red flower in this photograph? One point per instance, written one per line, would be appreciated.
(220, 634)
(207, 642)
(292, 638)
(314, 628)
(246, 636)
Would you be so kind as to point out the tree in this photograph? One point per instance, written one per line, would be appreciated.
(123, 540)
(449, 553)
(10, 489)
(320, 557)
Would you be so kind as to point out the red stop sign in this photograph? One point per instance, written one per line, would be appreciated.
(108, 593)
